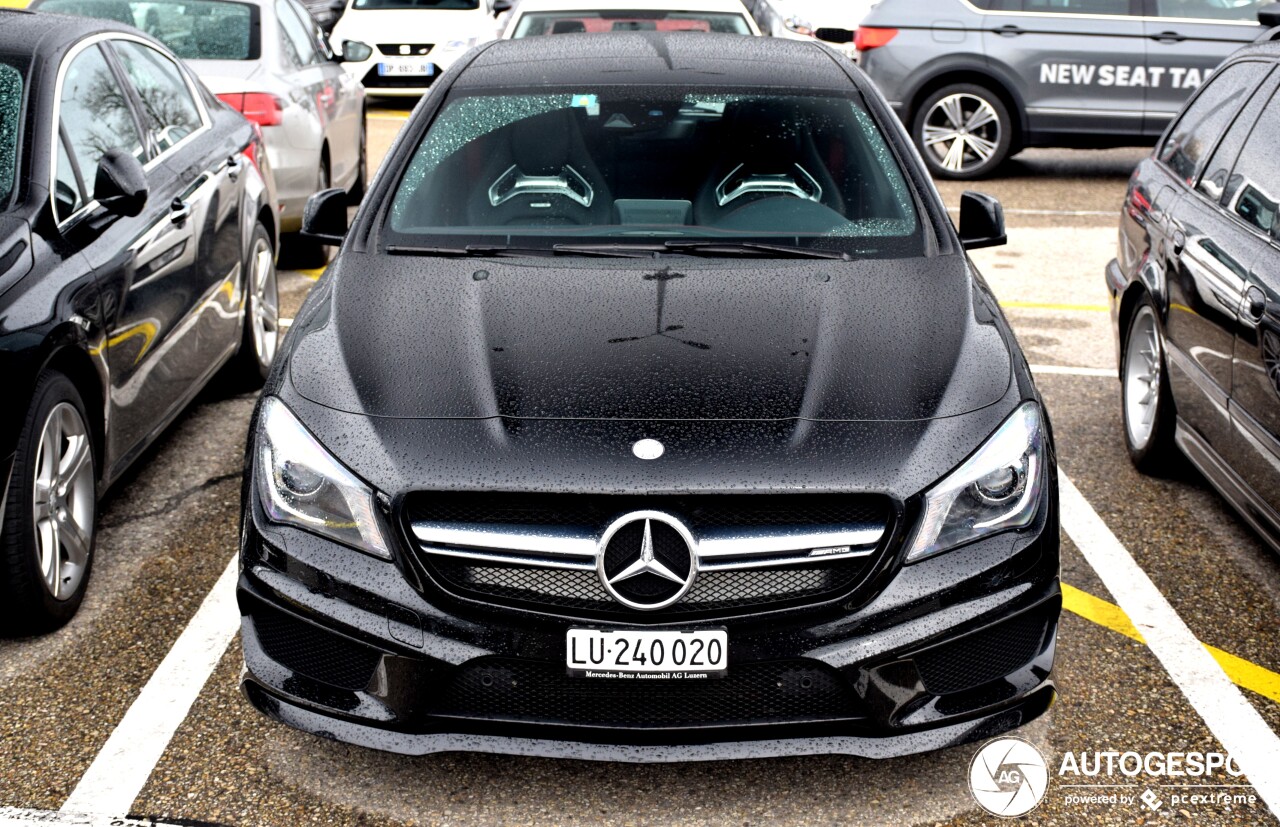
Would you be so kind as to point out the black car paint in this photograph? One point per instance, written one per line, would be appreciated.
(69, 294)
(1180, 250)
(417, 374)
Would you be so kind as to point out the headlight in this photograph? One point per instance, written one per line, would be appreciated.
(460, 45)
(996, 489)
(301, 484)
(799, 25)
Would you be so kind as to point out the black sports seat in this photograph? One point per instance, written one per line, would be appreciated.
(542, 174)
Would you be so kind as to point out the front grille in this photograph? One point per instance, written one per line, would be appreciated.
(718, 592)
(473, 563)
(373, 80)
(698, 511)
(983, 656)
(313, 652)
(405, 49)
(502, 689)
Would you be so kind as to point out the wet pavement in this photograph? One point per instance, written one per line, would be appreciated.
(169, 530)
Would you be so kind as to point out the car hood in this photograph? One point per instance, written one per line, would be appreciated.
(873, 340)
(228, 75)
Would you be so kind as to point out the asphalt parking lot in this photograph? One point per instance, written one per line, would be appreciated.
(95, 717)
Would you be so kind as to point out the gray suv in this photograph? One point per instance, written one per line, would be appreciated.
(976, 81)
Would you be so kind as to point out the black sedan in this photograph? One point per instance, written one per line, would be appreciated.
(651, 410)
(137, 241)
(1195, 291)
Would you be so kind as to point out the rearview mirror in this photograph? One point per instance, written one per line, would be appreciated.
(981, 221)
(834, 35)
(353, 51)
(325, 216)
(120, 184)
(1269, 15)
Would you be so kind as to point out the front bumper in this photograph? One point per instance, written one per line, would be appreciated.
(953, 649)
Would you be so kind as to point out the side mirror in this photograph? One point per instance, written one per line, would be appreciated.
(353, 51)
(834, 35)
(120, 185)
(1269, 15)
(325, 216)
(981, 221)
(501, 7)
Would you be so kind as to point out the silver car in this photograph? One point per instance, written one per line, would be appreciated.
(977, 80)
(269, 60)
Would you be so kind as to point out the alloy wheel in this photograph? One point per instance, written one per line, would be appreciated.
(63, 501)
(962, 132)
(1143, 363)
(264, 310)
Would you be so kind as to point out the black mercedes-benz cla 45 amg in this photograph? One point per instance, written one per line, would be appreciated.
(651, 410)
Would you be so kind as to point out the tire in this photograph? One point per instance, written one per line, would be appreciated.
(963, 131)
(298, 253)
(356, 194)
(1146, 401)
(43, 572)
(260, 327)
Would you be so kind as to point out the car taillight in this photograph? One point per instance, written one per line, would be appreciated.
(262, 108)
(870, 37)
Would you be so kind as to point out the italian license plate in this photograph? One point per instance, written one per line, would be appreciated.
(644, 655)
(406, 67)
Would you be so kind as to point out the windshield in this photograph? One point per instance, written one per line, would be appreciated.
(10, 111)
(656, 165)
(192, 29)
(438, 5)
(570, 22)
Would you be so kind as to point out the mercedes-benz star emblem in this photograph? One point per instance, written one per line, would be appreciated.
(646, 560)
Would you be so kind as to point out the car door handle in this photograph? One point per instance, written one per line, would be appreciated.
(234, 166)
(179, 210)
(1169, 37)
(1178, 242)
(1009, 30)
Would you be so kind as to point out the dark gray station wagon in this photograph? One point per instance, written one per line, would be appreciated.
(976, 81)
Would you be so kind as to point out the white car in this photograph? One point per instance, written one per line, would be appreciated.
(542, 17)
(834, 21)
(413, 41)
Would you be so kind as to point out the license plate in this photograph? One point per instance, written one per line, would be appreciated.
(406, 67)
(643, 655)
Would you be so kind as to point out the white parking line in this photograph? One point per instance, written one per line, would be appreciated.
(1232, 719)
(14, 817)
(1067, 370)
(120, 770)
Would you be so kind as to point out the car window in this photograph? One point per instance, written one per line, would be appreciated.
(1253, 189)
(95, 116)
(650, 164)
(1071, 6)
(10, 111)
(298, 47)
(169, 110)
(192, 29)
(572, 22)
(1211, 9)
(1213, 180)
(1204, 120)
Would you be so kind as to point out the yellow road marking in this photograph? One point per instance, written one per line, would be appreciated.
(388, 116)
(1242, 673)
(313, 274)
(1092, 308)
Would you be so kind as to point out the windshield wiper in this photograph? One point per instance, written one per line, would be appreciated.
(752, 248)
(476, 250)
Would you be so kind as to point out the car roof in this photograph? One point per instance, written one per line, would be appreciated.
(632, 5)
(1265, 48)
(614, 58)
(41, 34)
